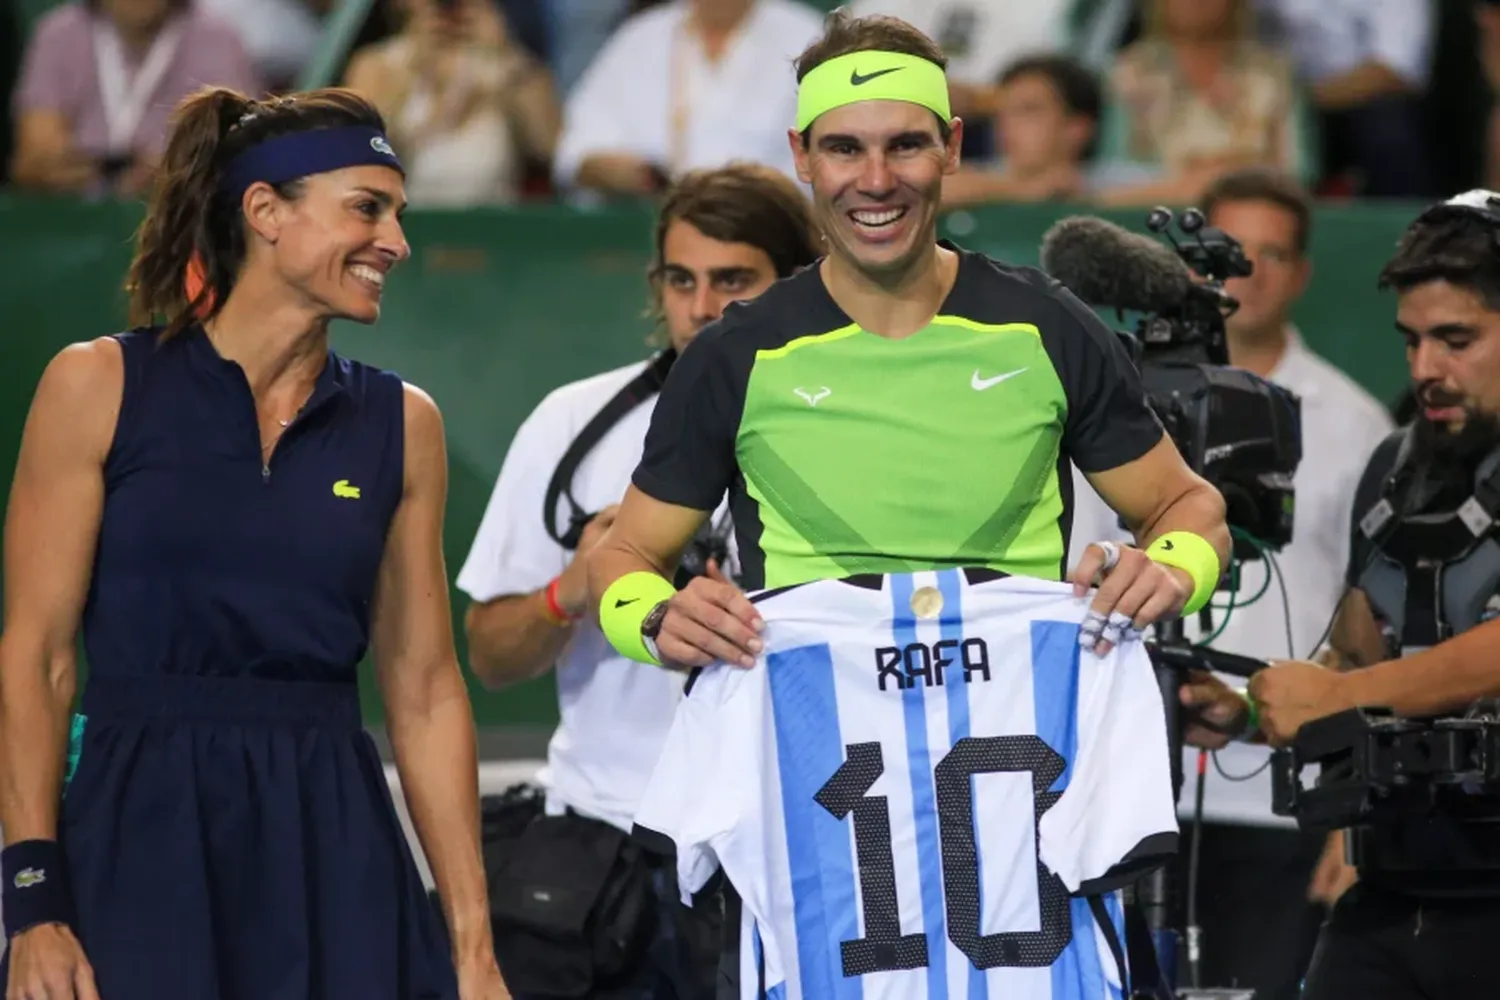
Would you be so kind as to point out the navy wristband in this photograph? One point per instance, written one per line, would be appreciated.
(36, 890)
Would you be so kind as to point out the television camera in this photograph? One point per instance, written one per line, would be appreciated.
(1238, 431)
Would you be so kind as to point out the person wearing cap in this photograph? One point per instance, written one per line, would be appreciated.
(902, 405)
(229, 515)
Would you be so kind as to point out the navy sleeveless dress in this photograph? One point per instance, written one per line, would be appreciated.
(227, 825)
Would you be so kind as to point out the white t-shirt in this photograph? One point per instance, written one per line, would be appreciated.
(614, 712)
(916, 785)
(1330, 37)
(1341, 425)
(981, 38)
(651, 92)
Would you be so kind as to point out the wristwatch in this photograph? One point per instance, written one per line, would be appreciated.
(651, 628)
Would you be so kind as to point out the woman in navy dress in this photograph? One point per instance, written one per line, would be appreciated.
(231, 514)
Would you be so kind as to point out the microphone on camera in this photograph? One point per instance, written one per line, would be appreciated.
(1105, 265)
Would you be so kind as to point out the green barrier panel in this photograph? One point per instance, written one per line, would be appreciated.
(497, 308)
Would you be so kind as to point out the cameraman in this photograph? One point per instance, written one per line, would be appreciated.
(722, 235)
(1427, 930)
(1253, 902)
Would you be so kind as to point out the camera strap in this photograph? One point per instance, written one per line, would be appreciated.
(635, 392)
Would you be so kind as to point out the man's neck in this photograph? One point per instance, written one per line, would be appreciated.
(281, 346)
(894, 306)
(715, 25)
(1260, 352)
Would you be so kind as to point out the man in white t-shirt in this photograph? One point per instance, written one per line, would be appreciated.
(687, 85)
(723, 235)
(981, 38)
(1253, 896)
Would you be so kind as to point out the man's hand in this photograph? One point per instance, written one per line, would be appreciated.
(573, 585)
(1291, 693)
(1333, 876)
(1217, 713)
(710, 619)
(1135, 591)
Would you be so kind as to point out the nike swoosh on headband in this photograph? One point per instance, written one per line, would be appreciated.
(855, 79)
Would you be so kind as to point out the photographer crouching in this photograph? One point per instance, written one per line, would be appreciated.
(1414, 637)
(578, 909)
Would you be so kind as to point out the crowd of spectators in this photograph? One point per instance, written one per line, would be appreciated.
(490, 102)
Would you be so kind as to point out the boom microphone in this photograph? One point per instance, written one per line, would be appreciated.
(1105, 265)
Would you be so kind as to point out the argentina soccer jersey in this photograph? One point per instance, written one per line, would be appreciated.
(922, 790)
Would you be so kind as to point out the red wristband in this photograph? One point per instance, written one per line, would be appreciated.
(555, 610)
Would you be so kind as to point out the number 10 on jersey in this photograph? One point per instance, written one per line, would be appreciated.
(883, 947)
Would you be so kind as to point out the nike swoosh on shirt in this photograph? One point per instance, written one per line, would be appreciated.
(981, 384)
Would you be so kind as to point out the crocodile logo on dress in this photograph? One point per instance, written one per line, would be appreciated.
(343, 489)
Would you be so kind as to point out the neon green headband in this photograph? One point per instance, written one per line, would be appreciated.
(872, 76)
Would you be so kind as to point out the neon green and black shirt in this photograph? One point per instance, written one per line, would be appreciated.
(844, 452)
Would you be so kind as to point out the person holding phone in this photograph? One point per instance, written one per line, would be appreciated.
(469, 107)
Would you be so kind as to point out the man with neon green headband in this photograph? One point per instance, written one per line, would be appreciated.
(903, 405)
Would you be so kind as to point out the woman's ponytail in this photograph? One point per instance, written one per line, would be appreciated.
(177, 231)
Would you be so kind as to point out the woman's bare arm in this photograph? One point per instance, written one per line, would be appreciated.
(51, 526)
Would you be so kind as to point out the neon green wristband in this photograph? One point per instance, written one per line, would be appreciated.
(1252, 723)
(1194, 556)
(625, 605)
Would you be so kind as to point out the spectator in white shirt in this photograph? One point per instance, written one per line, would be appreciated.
(722, 236)
(689, 84)
(281, 36)
(1258, 924)
(1366, 64)
(980, 38)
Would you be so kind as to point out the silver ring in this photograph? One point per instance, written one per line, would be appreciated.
(1111, 554)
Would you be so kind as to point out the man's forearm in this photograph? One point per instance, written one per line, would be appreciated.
(1446, 678)
(616, 173)
(1360, 85)
(512, 639)
(1199, 511)
(438, 764)
(609, 561)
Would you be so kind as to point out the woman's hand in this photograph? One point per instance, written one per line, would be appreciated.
(47, 963)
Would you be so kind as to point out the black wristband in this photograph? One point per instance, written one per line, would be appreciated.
(36, 890)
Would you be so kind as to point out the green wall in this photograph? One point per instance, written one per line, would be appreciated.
(497, 308)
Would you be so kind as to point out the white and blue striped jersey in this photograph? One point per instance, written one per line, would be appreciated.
(918, 787)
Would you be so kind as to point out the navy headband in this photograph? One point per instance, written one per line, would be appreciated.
(313, 151)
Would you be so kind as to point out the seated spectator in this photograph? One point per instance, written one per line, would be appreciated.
(100, 79)
(280, 35)
(1196, 96)
(688, 84)
(1366, 64)
(465, 106)
(980, 38)
(1046, 124)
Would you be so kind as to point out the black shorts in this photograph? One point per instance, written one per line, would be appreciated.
(1383, 945)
